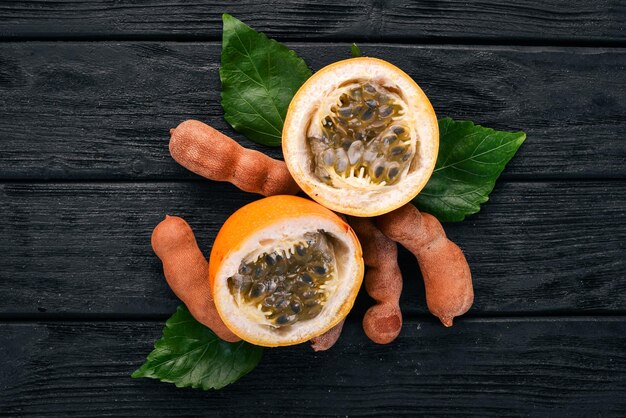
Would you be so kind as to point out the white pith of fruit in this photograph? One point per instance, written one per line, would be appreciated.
(354, 194)
(248, 321)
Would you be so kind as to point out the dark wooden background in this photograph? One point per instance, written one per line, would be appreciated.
(88, 91)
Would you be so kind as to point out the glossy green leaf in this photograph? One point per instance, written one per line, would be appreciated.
(356, 51)
(190, 354)
(259, 77)
(471, 158)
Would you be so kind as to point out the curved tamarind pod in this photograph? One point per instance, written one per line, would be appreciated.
(211, 154)
(328, 339)
(447, 277)
(383, 282)
(187, 272)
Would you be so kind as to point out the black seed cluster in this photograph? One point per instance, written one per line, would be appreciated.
(363, 136)
(287, 286)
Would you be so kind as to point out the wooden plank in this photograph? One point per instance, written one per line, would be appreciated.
(351, 20)
(483, 367)
(79, 249)
(103, 110)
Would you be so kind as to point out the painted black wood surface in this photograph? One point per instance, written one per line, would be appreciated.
(541, 22)
(88, 91)
(570, 101)
(536, 248)
(500, 367)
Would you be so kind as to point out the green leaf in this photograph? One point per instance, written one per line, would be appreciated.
(471, 158)
(259, 77)
(356, 51)
(190, 354)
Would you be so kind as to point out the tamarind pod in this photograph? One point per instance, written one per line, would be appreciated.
(187, 272)
(383, 282)
(447, 276)
(328, 339)
(211, 154)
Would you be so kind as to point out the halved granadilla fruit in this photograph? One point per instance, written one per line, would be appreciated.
(361, 137)
(283, 270)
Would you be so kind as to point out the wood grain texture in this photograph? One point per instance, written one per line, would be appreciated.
(349, 20)
(103, 110)
(497, 367)
(80, 249)
(93, 114)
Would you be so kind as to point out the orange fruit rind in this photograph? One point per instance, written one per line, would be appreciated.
(276, 229)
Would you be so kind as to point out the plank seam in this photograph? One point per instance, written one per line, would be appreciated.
(505, 317)
(423, 41)
(502, 179)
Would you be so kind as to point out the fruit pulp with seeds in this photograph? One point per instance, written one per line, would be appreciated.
(364, 138)
(287, 284)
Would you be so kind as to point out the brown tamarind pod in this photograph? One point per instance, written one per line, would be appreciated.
(447, 277)
(187, 272)
(327, 339)
(383, 282)
(211, 154)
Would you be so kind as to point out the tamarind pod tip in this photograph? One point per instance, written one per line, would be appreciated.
(382, 323)
(447, 322)
(225, 336)
(328, 339)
